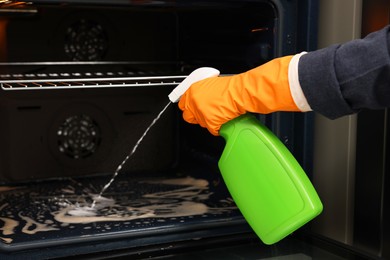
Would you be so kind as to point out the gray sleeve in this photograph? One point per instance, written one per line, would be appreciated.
(343, 79)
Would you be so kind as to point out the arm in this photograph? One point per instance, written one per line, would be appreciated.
(343, 79)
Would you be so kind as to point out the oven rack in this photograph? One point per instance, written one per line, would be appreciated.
(73, 83)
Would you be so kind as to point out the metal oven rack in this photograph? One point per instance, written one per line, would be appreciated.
(80, 82)
(73, 75)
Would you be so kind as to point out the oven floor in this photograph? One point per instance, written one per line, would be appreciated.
(58, 212)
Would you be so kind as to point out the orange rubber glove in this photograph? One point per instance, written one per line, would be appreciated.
(214, 101)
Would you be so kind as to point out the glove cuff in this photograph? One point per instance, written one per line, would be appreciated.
(295, 87)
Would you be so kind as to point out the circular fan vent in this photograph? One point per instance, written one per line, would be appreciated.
(86, 40)
(78, 136)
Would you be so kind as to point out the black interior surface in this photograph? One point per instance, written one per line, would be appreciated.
(77, 41)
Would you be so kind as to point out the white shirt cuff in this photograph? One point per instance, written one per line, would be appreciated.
(295, 87)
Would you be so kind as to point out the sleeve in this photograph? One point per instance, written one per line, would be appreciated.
(345, 78)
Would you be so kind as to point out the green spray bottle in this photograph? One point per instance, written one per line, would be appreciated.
(268, 185)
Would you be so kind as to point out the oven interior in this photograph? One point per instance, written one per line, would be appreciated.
(82, 82)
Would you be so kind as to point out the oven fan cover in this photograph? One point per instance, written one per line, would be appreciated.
(80, 135)
(86, 40)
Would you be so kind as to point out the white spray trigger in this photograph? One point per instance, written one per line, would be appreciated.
(196, 75)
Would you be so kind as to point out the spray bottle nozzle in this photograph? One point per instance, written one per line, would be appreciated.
(196, 75)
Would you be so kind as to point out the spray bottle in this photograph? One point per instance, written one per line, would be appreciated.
(268, 185)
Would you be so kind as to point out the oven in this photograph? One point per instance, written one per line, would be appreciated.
(82, 81)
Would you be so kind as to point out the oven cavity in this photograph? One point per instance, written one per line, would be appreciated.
(81, 81)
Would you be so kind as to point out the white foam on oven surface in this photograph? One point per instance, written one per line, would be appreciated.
(33, 214)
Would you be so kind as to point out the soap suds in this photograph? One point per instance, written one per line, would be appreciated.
(164, 202)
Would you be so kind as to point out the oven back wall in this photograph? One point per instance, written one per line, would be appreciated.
(91, 34)
(234, 37)
(64, 132)
(84, 132)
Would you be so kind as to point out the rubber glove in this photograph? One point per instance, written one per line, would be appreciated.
(214, 101)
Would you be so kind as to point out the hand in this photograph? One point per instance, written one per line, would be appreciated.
(214, 101)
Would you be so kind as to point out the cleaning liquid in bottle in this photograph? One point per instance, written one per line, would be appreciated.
(268, 185)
